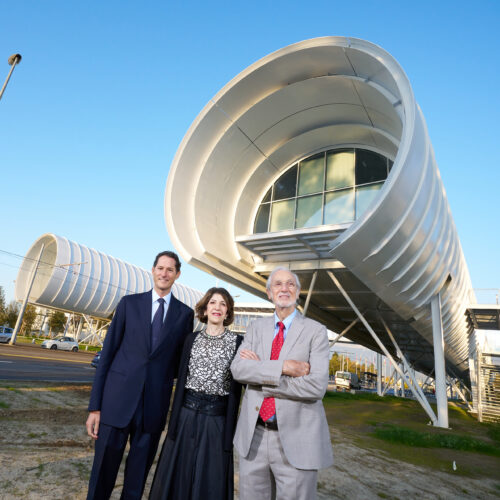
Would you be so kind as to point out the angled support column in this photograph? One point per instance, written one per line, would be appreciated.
(309, 293)
(439, 365)
(479, 384)
(455, 384)
(379, 374)
(427, 408)
(20, 316)
(402, 379)
(42, 323)
(95, 336)
(427, 378)
(414, 387)
(79, 328)
(391, 379)
(344, 331)
(66, 326)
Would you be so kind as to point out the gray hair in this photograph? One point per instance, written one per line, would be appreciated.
(281, 268)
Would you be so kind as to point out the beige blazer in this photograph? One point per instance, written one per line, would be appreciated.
(302, 424)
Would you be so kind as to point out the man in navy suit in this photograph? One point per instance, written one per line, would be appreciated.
(133, 382)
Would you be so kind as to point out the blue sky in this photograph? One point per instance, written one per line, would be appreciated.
(93, 115)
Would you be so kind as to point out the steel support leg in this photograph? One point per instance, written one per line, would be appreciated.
(402, 379)
(344, 331)
(382, 347)
(389, 383)
(309, 293)
(439, 365)
(414, 387)
(79, 329)
(455, 388)
(20, 316)
(379, 374)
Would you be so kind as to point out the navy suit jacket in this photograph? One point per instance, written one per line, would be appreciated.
(129, 371)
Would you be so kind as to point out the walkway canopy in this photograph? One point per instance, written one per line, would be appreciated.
(76, 278)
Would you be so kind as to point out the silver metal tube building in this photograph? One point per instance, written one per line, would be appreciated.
(317, 157)
(75, 278)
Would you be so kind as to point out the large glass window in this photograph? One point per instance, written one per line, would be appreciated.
(282, 215)
(333, 187)
(262, 219)
(339, 169)
(286, 185)
(309, 210)
(370, 167)
(339, 206)
(312, 175)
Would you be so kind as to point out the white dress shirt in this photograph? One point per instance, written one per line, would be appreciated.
(156, 304)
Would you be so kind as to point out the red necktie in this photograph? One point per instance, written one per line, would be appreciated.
(268, 408)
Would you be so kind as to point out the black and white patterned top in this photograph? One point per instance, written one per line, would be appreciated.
(209, 363)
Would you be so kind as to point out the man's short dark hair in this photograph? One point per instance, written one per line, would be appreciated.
(201, 306)
(172, 255)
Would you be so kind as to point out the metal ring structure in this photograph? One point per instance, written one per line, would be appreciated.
(319, 94)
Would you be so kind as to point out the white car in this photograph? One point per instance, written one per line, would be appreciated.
(63, 343)
(5, 334)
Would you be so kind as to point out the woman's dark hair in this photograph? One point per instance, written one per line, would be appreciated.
(172, 255)
(201, 307)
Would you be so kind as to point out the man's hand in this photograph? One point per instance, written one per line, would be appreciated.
(248, 354)
(92, 424)
(294, 368)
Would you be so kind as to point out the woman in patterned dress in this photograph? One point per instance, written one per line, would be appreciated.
(196, 460)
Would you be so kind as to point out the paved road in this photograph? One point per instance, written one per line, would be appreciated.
(31, 362)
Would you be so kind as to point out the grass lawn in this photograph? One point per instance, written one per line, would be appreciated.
(400, 428)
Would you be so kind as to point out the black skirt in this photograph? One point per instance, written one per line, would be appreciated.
(194, 465)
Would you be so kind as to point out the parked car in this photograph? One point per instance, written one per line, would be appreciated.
(63, 343)
(95, 359)
(346, 381)
(5, 334)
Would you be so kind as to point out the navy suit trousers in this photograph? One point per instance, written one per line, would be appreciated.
(109, 448)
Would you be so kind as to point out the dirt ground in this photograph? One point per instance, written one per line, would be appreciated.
(45, 454)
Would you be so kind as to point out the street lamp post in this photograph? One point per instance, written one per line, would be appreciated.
(12, 60)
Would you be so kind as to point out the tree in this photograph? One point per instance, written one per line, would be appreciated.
(334, 363)
(11, 313)
(2, 306)
(29, 319)
(57, 321)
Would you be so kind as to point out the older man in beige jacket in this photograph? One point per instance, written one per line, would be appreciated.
(282, 434)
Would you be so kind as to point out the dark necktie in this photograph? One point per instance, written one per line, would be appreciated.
(157, 324)
(268, 408)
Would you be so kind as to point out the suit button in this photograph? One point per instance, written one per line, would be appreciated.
(256, 408)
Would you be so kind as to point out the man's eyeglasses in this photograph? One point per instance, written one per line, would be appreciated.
(288, 284)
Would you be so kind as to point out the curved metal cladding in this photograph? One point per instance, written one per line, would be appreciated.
(76, 278)
(405, 248)
(320, 94)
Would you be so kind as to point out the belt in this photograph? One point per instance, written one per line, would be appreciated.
(269, 425)
(208, 404)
